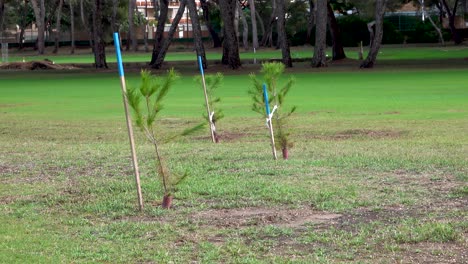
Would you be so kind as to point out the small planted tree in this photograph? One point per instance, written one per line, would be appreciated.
(146, 102)
(272, 71)
(213, 82)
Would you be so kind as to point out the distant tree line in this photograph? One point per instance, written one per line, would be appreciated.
(232, 24)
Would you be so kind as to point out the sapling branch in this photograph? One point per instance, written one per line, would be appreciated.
(153, 91)
(271, 74)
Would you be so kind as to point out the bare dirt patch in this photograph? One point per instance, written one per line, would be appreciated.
(257, 216)
(360, 133)
(226, 136)
(428, 253)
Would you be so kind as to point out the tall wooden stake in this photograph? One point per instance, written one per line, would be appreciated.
(270, 125)
(212, 126)
(129, 120)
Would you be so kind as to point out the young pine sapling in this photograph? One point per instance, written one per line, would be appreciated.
(272, 71)
(213, 82)
(146, 102)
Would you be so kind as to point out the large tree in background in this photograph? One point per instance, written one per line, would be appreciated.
(39, 13)
(434, 25)
(72, 25)
(159, 36)
(282, 35)
(22, 15)
(245, 27)
(451, 12)
(320, 59)
(376, 40)
(58, 23)
(132, 38)
(85, 22)
(337, 50)
(267, 39)
(230, 43)
(196, 30)
(167, 42)
(253, 20)
(98, 30)
(2, 16)
(207, 8)
(310, 21)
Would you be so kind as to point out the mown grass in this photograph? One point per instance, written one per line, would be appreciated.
(187, 54)
(385, 150)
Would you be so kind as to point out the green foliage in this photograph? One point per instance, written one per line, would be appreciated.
(424, 32)
(213, 82)
(151, 93)
(272, 71)
(413, 231)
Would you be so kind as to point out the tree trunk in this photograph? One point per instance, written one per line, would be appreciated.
(168, 40)
(437, 29)
(57, 28)
(376, 41)
(254, 24)
(452, 14)
(320, 59)
(282, 35)
(115, 6)
(84, 21)
(146, 28)
(267, 39)
(156, 8)
(196, 30)
(99, 45)
(72, 27)
(132, 38)
(21, 37)
(230, 44)
(260, 22)
(245, 27)
(310, 22)
(2, 17)
(206, 16)
(338, 50)
(159, 37)
(23, 23)
(236, 20)
(225, 57)
(39, 13)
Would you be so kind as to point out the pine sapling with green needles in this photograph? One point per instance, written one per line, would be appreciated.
(146, 102)
(213, 82)
(272, 72)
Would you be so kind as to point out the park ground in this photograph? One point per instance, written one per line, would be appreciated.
(377, 174)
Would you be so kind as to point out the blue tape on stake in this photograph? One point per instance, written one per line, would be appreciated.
(265, 95)
(200, 64)
(119, 55)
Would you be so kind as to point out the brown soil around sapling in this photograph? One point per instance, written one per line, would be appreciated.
(259, 216)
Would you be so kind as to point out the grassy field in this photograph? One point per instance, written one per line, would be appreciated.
(186, 54)
(377, 174)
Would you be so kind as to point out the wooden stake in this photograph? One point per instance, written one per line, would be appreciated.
(128, 118)
(210, 121)
(270, 125)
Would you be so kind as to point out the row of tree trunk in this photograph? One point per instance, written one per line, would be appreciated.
(321, 13)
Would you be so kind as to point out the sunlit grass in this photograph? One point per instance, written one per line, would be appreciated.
(383, 150)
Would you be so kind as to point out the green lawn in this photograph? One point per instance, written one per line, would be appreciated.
(387, 53)
(377, 173)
